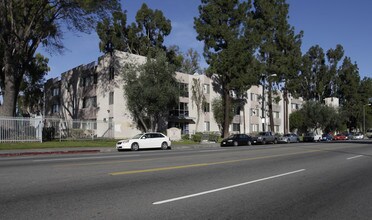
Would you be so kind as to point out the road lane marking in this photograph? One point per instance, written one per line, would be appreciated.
(225, 188)
(203, 164)
(125, 156)
(350, 158)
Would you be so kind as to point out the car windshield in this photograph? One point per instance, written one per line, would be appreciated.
(137, 136)
(287, 135)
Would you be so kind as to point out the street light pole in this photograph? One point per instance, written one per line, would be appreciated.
(263, 116)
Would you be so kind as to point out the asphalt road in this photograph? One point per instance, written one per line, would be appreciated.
(283, 181)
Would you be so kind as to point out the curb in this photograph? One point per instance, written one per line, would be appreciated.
(48, 153)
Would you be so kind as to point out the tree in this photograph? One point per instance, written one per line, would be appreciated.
(218, 112)
(198, 98)
(25, 24)
(225, 27)
(348, 84)
(32, 85)
(280, 48)
(365, 91)
(142, 37)
(312, 71)
(318, 78)
(151, 90)
(313, 116)
(296, 122)
(190, 63)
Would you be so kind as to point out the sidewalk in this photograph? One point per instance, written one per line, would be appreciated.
(81, 150)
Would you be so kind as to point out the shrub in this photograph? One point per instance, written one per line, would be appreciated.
(185, 137)
(197, 137)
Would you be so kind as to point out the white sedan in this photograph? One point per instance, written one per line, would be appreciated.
(146, 140)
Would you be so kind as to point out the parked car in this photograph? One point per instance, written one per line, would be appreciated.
(236, 140)
(358, 136)
(369, 133)
(146, 140)
(327, 137)
(340, 136)
(289, 138)
(348, 135)
(265, 137)
(312, 137)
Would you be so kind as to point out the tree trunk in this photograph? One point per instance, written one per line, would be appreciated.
(226, 118)
(11, 88)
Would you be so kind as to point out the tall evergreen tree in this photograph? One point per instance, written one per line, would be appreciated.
(280, 49)
(141, 37)
(226, 29)
(25, 24)
(349, 81)
(312, 72)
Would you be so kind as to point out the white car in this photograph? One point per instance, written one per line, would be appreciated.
(145, 140)
(358, 136)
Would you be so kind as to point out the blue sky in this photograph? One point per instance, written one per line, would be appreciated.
(324, 22)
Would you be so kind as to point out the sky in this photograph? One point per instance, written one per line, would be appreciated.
(325, 23)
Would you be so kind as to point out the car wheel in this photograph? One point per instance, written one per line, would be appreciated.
(236, 143)
(289, 141)
(249, 143)
(164, 146)
(275, 141)
(263, 141)
(134, 147)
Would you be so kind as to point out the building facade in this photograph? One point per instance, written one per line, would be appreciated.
(94, 92)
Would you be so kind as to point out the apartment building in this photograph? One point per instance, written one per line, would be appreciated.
(94, 92)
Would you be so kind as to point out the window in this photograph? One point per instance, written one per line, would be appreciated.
(254, 127)
(181, 111)
(86, 81)
(276, 128)
(111, 73)
(236, 127)
(206, 88)
(184, 89)
(111, 98)
(90, 102)
(206, 107)
(55, 108)
(237, 110)
(95, 78)
(276, 114)
(295, 106)
(253, 97)
(207, 126)
(55, 91)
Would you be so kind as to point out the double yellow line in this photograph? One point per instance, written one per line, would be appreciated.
(204, 164)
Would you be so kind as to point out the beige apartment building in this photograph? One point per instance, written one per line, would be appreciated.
(94, 93)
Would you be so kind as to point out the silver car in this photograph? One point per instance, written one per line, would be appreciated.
(289, 138)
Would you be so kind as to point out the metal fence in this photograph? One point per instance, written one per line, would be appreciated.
(40, 129)
(21, 129)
